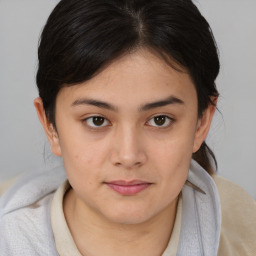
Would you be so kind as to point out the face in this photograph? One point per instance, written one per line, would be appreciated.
(126, 137)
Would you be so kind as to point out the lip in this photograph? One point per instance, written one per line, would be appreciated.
(128, 188)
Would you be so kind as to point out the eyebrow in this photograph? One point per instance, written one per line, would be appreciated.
(97, 103)
(161, 103)
(101, 104)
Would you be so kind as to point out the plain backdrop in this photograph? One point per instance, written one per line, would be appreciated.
(23, 145)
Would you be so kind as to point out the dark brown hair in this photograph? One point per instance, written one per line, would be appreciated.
(81, 37)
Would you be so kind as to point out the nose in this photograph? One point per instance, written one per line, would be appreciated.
(128, 150)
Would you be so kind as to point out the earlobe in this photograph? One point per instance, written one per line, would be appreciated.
(49, 130)
(203, 127)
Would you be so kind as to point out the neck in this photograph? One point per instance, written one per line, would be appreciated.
(95, 235)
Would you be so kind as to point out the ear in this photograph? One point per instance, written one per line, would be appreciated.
(203, 125)
(50, 131)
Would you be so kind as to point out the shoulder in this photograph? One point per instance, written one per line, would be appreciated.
(25, 223)
(31, 187)
(238, 229)
(27, 230)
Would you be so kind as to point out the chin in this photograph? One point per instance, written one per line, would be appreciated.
(128, 216)
(128, 220)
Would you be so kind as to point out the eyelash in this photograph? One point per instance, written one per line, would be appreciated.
(107, 122)
(166, 117)
(100, 118)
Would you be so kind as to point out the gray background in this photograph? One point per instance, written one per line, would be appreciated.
(23, 146)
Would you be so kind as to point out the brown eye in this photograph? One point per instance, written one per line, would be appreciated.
(160, 121)
(97, 121)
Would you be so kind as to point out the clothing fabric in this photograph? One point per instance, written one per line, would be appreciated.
(25, 225)
(201, 216)
(238, 229)
(64, 241)
(26, 229)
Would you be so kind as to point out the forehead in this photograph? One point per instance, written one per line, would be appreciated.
(134, 78)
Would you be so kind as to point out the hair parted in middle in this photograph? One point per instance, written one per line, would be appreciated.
(82, 37)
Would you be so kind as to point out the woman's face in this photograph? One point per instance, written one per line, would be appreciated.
(126, 137)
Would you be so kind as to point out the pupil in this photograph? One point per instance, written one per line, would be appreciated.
(98, 120)
(159, 120)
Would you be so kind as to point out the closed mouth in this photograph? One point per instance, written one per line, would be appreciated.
(128, 188)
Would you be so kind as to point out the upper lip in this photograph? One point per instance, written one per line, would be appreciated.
(127, 183)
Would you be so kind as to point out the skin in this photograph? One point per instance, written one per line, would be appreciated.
(129, 145)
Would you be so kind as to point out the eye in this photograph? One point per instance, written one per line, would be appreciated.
(160, 121)
(96, 121)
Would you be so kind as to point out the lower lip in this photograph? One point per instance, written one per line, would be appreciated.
(128, 190)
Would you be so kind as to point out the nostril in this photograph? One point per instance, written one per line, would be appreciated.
(129, 156)
(138, 163)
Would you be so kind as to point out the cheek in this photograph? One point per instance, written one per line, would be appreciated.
(172, 159)
(173, 150)
(84, 163)
(174, 171)
(82, 157)
(81, 167)
(77, 146)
